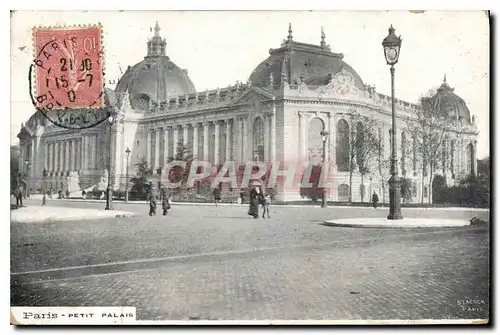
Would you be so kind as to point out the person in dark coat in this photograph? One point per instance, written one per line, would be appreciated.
(375, 199)
(256, 199)
(19, 196)
(216, 196)
(152, 202)
(165, 202)
(242, 196)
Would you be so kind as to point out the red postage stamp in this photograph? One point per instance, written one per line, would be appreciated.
(69, 66)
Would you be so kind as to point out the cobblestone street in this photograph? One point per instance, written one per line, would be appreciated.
(217, 263)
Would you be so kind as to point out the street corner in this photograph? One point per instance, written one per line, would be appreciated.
(34, 214)
(403, 223)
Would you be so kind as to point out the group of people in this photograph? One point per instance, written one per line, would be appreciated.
(258, 198)
(164, 198)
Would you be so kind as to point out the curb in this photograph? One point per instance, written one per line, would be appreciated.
(339, 223)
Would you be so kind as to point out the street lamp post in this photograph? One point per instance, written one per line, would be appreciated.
(392, 47)
(126, 175)
(28, 166)
(44, 199)
(109, 195)
(324, 138)
(159, 171)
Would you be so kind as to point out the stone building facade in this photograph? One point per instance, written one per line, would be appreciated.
(299, 90)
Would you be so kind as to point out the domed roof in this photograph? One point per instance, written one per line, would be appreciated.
(156, 78)
(447, 102)
(296, 62)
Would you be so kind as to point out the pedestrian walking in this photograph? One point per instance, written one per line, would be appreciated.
(19, 196)
(256, 198)
(242, 195)
(265, 205)
(375, 200)
(216, 194)
(165, 202)
(152, 202)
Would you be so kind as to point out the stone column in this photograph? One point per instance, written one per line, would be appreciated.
(267, 143)
(327, 128)
(460, 145)
(49, 157)
(45, 156)
(33, 160)
(216, 143)
(71, 154)
(78, 154)
(185, 134)
(176, 140)
(90, 150)
(302, 149)
(244, 139)
(195, 140)
(148, 147)
(236, 138)
(205, 141)
(84, 153)
(165, 145)
(332, 140)
(157, 150)
(474, 158)
(272, 115)
(96, 151)
(61, 156)
(66, 157)
(228, 140)
(55, 158)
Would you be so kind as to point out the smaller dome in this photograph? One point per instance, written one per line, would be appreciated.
(446, 101)
(156, 78)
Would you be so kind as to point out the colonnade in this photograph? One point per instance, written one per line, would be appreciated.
(72, 154)
(214, 141)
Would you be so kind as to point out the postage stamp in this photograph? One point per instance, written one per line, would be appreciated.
(68, 73)
(309, 167)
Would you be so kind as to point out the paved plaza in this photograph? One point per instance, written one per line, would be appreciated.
(203, 262)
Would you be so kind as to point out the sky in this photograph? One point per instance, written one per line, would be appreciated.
(220, 48)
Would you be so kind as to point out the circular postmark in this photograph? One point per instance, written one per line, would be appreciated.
(66, 78)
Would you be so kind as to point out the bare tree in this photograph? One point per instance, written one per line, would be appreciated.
(364, 146)
(429, 128)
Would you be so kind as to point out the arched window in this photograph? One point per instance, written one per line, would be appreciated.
(315, 143)
(403, 153)
(343, 191)
(360, 146)
(342, 146)
(470, 159)
(258, 139)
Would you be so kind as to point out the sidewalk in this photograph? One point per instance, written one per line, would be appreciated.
(312, 205)
(52, 214)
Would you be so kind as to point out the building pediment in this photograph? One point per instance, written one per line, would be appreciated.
(253, 96)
